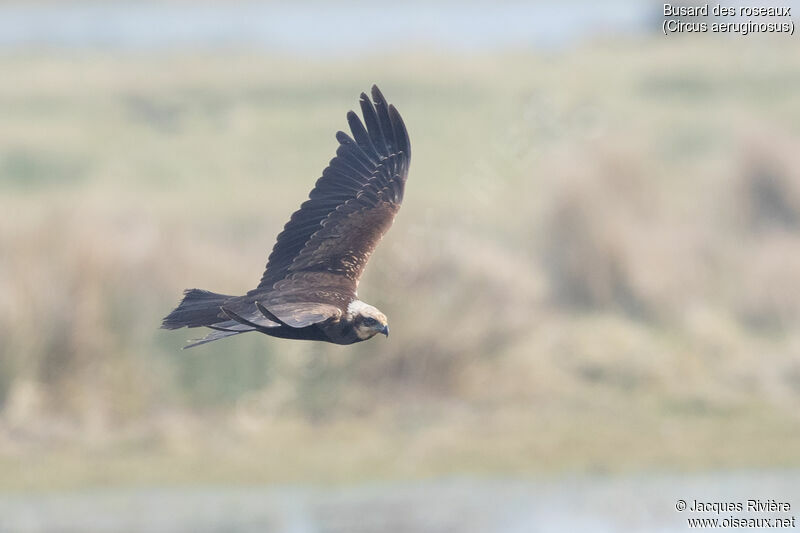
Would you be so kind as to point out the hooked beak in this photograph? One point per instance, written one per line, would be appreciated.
(385, 330)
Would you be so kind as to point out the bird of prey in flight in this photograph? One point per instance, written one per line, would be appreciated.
(308, 290)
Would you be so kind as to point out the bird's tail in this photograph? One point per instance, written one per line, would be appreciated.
(198, 308)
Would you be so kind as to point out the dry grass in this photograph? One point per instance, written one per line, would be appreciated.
(597, 266)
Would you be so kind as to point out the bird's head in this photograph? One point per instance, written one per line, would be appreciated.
(367, 320)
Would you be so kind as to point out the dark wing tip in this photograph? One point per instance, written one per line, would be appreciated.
(400, 131)
(377, 95)
(343, 138)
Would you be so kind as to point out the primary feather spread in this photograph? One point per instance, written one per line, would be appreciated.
(308, 290)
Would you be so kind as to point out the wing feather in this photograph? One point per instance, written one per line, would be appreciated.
(351, 206)
(362, 138)
(213, 336)
(373, 127)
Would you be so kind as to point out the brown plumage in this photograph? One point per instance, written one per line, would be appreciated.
(308, 290)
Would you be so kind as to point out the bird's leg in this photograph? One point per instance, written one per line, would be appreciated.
(266, 312)
(233, 316)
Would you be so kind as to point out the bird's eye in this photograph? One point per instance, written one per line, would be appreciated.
(370, 322)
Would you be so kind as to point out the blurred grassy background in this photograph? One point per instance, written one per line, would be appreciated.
(596, 269)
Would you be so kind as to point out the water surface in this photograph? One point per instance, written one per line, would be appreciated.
(314, 28)
(587, 504)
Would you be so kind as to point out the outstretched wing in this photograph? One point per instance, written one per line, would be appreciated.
(326, 244)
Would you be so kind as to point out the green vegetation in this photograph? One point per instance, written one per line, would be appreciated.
(597, 267)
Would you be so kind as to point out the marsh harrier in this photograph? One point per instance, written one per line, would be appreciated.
(308, 290)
